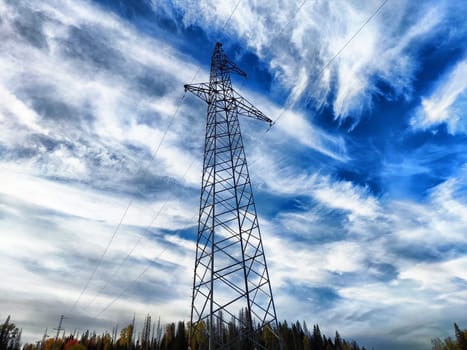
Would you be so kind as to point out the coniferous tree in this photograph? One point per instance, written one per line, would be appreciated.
(317, 338)
(338, 341)
(146, 334)
(177, 337)
(158, 336)
(461, 337)
(180, 341)
(169, 336)
(10, 336)
(124, 342)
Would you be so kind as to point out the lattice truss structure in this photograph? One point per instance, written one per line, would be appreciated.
(231, 281)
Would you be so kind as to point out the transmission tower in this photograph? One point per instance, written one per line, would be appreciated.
(231, 285)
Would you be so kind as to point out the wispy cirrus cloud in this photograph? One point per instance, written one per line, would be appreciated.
(84, 78)
(446, 104)
(306, 37)
(88, 93)
(85, 100)
(380, 262)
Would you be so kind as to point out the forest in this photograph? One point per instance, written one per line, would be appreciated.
(154, 336)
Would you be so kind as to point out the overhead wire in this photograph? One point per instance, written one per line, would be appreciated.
(138, 241)
(153, 155)
(274, 122)
(157, 214)
(141, 274)
(378, 9)
(231, 14)
(125, 212)
(123, 291)
(86, 285)
(284, 110)
(125, 259)
(299, 7)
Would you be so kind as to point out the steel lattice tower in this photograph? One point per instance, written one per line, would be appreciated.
(231, 282)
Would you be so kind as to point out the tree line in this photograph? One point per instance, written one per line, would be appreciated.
(176, 336)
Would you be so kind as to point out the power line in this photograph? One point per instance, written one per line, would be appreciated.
(141, 235)
(231, 14)
(100, 259)
(124, 290)
(337, 54)
(122, 218)
(299, 7)
(353, 36)
(129, 284)
(284, 110)
(122, 262)
(153, 156)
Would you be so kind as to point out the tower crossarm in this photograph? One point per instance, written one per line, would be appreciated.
(201, 90)
(244, 107)
(229, 66)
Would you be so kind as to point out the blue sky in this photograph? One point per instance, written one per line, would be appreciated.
(360, 185)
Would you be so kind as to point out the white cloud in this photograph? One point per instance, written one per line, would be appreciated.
(440, 221)
(46, 257)
(14, 107)
(439, 277)
(82, 202)
(61, 227)
(108, 101)
(297, 127)
(345, 195)
(305, 39)
(284, 178)
(446, 104)
(380, 279)
(54, 220)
